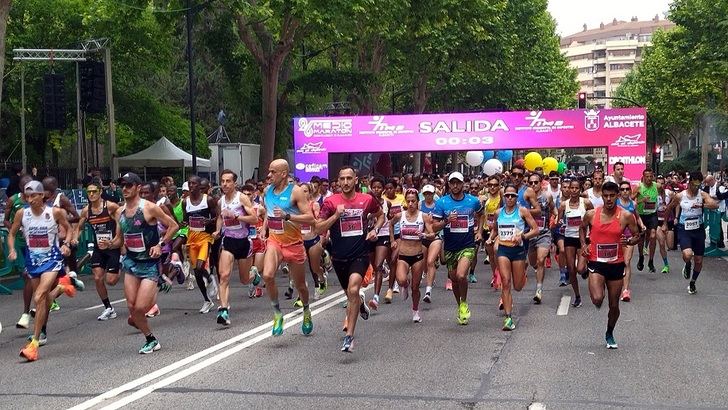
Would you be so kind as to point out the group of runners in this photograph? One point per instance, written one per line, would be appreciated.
(369, 230)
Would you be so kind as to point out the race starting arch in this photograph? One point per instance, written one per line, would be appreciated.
(621, 131)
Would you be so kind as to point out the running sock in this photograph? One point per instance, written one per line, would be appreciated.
(106, 303)
(539, 286)
(43, 329)
(664, 260)
(306, 307)
(428, 289)
(150, 338)
(696, 273)
(276, 306)
(610, 330)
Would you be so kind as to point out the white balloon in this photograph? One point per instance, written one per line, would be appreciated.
(492, 166)
(474, 158)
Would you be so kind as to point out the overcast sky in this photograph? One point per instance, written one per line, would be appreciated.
(570, 15)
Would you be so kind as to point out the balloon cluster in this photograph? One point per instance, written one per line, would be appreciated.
(492, 161)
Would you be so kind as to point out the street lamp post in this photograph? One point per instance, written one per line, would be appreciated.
(190, 77)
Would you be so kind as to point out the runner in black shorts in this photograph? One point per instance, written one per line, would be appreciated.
(105, 257)
(379, 251)
(345, 216)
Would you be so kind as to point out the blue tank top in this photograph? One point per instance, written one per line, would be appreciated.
(285, 232)
(629, 207)
(522, 197)
(282, 201)
(424, 208)
(509, 225)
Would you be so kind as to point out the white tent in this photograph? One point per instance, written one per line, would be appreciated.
(162, 154)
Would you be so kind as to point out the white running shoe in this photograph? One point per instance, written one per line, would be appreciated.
(23, 322)
(207, 307)
(395, 288)
(416, 316)
(212, 288)
(108, 313)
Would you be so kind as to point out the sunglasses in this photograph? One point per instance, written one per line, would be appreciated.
(128, 185)
(625, 189)
(493, 185)
(517, 174)
(510, 196)
(93, 191)
(534, 182)
(554, 179)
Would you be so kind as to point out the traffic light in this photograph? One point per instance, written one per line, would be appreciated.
(93, 87)
(54, 102)
(582, 100)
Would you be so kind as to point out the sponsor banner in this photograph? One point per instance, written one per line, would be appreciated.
(621, 131)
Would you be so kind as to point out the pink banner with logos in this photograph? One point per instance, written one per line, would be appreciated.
(621, 131)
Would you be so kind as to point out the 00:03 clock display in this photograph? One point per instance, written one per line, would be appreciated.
(464, 141)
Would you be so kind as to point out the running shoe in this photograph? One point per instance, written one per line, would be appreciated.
(665, 269)
(289, 291)
(651, 266)
(385, 272)
(537, 297)
(23, 322)
(165, 287)
(256, 275)
(395, 289)
(472, 278)
(448, 284)
(427, 298)
(577, 302)
(388, 296)
(307, 325)
(150, 347)
(500, 303)
(563, 279)
(463, 313)
(508, 324)
(416, 316)
(641, 263)
(65, 283)
(30, 352)
(108, 313)
(374, 302)
(78, 284)
(55, 307)
(320, 290)
(154, 311)
(285, 269)
(223, 317)
(687, 269)
(178, 272)
(611, 343)
(277, 324)
(207, 307)
(42, 340)
(212, 287)
(251, 291)
(626, 295)
(348, 345)
(298, 303)
(486, 260)
(327, 261)
(691, 288)
(190, 284)
(363, 308)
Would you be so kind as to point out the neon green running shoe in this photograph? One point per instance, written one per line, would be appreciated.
(298, 303)
(666, 269)
(55, 307)
(463, 313)
(277, 324)
(307, 325)
(508, 324)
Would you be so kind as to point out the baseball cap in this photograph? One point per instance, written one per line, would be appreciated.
(185, 186)
(428, 188)
(130, 178)
(33, 187)
(456, 175)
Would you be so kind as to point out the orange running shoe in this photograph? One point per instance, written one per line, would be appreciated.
(68, 288)
(30, 351)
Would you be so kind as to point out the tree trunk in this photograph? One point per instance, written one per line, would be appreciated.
(270, 116)
(4, 13)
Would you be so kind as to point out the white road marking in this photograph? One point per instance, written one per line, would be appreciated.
(537, 406)
(563, 309)
(210, 361)
(210, 350)
(102, 305)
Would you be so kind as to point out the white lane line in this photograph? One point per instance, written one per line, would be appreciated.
(209, 361)
(176, 365)
(537, 406)
(563, 309)
(102, 305)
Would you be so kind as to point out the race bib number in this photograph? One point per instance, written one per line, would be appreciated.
(231, 223)
(275, 225)
(661, 215)
(351, 226)
(573, 221)
(692, 224)
(459, 225)
(305, 229)
(507, 233)
(541, 222)
(607, 252)
(103, 236)
(384, 230)
(395, 209)
(650, 206)
(252, 232)
(134, 242)
(197, 223)
(39, 241)
(411, 232)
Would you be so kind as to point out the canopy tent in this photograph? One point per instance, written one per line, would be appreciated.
(162, 154)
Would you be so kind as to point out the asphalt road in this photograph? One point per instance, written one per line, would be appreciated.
(672, 353)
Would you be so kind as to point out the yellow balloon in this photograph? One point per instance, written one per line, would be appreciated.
(550, 164)
(532, 160)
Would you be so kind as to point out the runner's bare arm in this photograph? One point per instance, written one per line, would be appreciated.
(323, 225)
(301, 202)
(118, 240)
(528, 217)
(530, 195)
(81, 223)
(218, 225)
(708, 202)
(250, 217)
(588, 204)
(60, 217)
(156, 212)
(631, 223)
(583, 228)
(68, 207)
(14, 228)
(8, 211)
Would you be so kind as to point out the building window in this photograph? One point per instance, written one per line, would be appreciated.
(614, 67)
(587, 70)
(600, 53)
(621, 53)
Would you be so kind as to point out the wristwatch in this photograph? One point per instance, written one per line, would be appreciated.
(287, 217)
